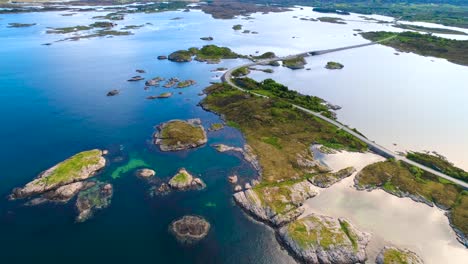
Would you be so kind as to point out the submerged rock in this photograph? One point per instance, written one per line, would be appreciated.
(207, 38)
(180, 135)
(77, 168)
(393, 255)
(190, 229)
(184, 181)
(233, 179)
(136, 78)
(113, 92)
(323, 239)
(162, 57)
(95, 198)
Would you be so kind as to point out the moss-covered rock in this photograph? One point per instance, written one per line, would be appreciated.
(180, 135)
(184, 181)
(393, 255)
(331, 65)
(77, 168)
(295, 63)
(323, 239)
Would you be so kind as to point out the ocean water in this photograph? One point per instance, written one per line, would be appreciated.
(53, 104)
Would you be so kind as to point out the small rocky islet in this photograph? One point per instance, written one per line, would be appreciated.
(183, 180)
(190, 229)
(178, 135)
(68, 179)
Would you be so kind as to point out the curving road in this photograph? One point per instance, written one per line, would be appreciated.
(227, 78)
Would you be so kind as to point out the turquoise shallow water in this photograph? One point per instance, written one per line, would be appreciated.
(53, 104)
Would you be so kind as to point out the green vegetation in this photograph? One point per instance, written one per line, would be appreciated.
(129, 27)
(242, 71)
(331, 65)
(216, 126)
(446, 12)
(132, 164)
(206, 53)
(311, 230)
(180, 178)
(396, 256)
(237, 27)
(329, 10)
(213, 52)
(102, 24)
(400, 179)
(351, 236)
(181, 56)
(180, 132)
(430, 29)
(71, 168)
(279, 134)
(65, 30)
(273, 89)
(438, 163)
(424, 44)
(266, 55)
(295, 63)
(20, 25)
(334, 20)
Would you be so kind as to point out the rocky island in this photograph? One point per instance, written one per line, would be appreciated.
(77, 168)
(190, 229)
(331, 65)
(180, 135)
(185, 181)
(295, 64)
(208, 53)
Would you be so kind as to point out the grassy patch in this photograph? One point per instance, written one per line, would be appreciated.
(270, 123)
(69, 169)
(438, 163)
(295, 63)
(311, 231)
(237, 27)
(242, 71)
(331, 65)
(180, 178)
(181, 132)
(351, 236)
(430, 29)
(334, 20)
(424, 44)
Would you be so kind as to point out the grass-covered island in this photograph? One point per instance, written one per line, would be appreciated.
(334, 20)
(331, 65)
(180, 135)
(76, 168)
(295, 63)
(404, 180)
(20, 25)
(237, 27)
(208, 53)
(424, 44)
(430, 29)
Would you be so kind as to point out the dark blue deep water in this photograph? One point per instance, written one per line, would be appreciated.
(53, 105)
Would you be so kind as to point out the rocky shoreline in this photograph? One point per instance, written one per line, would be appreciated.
(246, 152)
